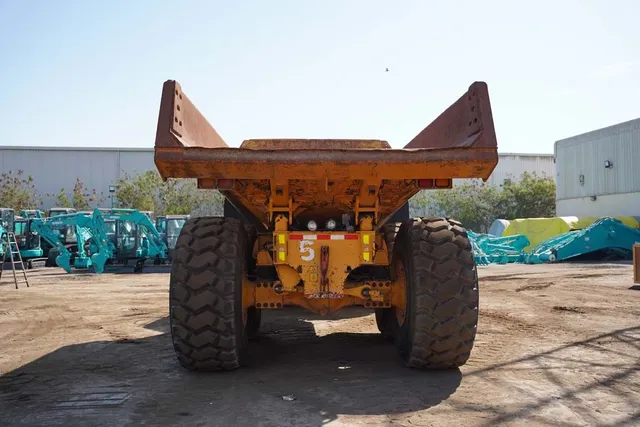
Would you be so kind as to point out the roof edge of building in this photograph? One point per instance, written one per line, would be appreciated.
(60, 148)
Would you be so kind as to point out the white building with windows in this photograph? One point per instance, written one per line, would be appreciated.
(596, 173)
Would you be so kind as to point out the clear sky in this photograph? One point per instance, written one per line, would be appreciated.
(90, 73)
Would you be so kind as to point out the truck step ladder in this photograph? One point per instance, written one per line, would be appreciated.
(12, 250)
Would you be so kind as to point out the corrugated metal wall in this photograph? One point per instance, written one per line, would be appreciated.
(512, 166)
(56, 168)
(585, 155)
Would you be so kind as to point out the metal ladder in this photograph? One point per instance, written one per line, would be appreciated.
(11, 249)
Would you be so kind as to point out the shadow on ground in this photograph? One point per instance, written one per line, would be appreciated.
(135, 382)
(131, 382)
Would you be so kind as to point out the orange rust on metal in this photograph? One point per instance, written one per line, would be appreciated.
(263, 296)
(242, 163)
(314, 144)
(382, 251)
(180, 124)
(320, 173)
(207, 183)
(367, 200)
(468, 122)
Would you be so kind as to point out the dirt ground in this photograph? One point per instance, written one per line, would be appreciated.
(557, 345)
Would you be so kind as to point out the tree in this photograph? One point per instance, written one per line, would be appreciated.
(419, 205)
(17, 192)
(148, 192)
(532, 197)
(211, 204)
(82, 199)
(62, 199)
(478, 204)
(138, 192)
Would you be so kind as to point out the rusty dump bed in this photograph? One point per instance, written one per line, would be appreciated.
(304, 174)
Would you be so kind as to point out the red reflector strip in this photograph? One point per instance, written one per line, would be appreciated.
(323, 237)
(425, 183)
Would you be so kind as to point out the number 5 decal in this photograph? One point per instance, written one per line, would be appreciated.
(308, 253)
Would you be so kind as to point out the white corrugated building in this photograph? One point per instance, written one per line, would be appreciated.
(596, 172)
(56, 168)
(511, 166)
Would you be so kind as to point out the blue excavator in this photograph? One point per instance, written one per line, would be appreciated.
(31, 213)
(29, 242)
(133, 237)
(67, 235)
(86, 228)
(169, 227)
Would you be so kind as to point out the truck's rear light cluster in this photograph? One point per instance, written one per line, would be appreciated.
(427, 184)
(281, 247)
(366, 241)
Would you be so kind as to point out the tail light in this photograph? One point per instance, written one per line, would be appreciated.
(428, 184)
(425, 183)
(225, 184)
(212, 183)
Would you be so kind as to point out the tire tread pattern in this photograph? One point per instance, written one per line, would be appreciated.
(445, 293)
(206, 279)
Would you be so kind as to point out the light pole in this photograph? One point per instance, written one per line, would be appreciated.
(112, 190)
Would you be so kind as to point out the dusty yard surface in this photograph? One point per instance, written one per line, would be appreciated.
(557, 345)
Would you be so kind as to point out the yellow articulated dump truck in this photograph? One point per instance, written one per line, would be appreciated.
(324, 224)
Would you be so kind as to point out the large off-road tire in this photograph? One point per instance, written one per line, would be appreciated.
(206, 315)
(441, 315)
